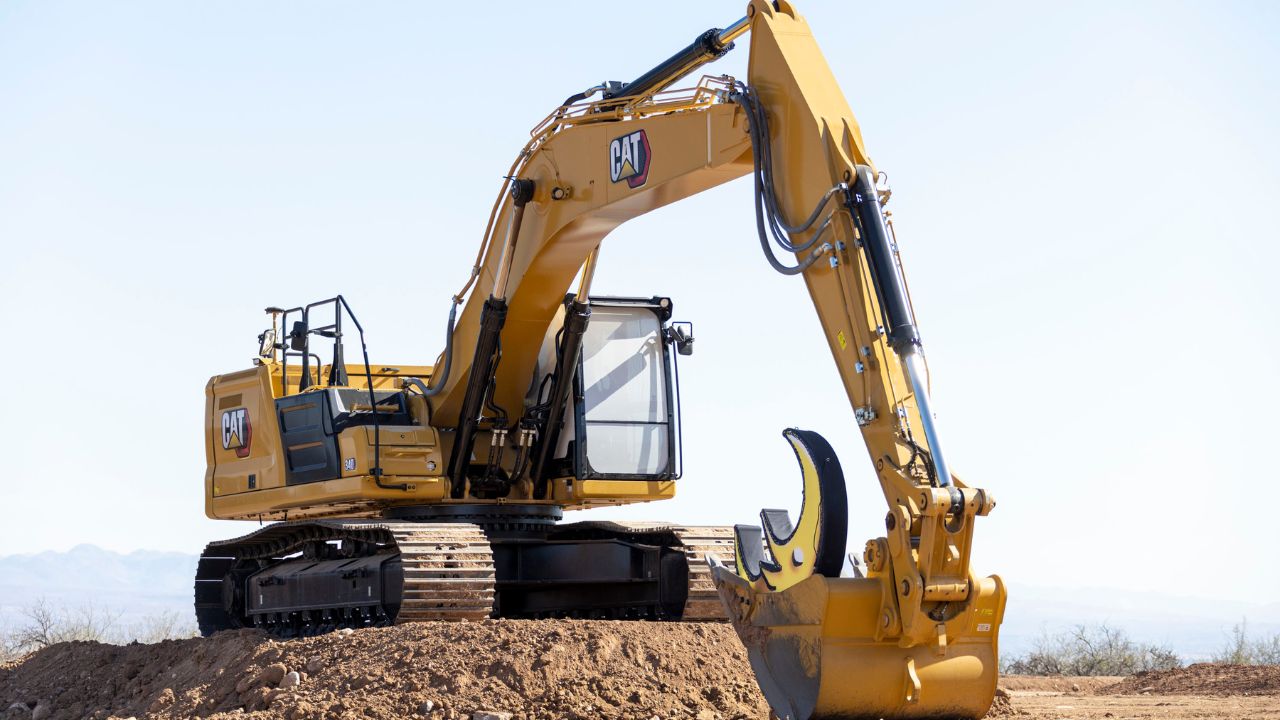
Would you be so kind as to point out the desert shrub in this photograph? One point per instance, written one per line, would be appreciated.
(162, 626)
(8, 645)
(1243, 650)
(43, 624)
(1092, 650)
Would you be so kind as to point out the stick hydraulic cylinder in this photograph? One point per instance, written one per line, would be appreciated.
(895, 307)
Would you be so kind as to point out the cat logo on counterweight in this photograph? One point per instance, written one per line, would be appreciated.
(629, 159)
(237, 433)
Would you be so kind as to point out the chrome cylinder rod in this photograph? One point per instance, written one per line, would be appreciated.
(735, 30)
(588, 273)
(913, 363)
(521, 194)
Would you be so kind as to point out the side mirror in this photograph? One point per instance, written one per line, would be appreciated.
(681, 337)
(267, 343)
(298, 336)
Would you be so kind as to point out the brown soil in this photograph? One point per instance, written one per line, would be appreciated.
(1156, 707)
(1002, 705)
(1194, 693)
(1056, 683)
(1202, 679)
(534, 670)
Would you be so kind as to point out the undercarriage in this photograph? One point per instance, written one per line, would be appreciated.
(461, 562)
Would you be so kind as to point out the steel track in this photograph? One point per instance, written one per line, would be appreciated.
(448, 568)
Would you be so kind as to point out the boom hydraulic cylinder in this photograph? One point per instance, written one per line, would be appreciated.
(485, 362)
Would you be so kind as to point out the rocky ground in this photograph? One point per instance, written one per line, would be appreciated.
(521, 670)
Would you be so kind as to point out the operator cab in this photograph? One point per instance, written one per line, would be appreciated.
(623, 422)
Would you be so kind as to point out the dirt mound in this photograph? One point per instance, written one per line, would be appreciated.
(517, 670)
(533, 669)
(1002, 706)
(1065, 684)
(1202, 679)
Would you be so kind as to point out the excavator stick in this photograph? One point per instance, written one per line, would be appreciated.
(823, 646)
(914, 635)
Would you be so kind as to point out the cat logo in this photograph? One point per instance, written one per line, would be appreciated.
(629, 159)
(237, 433)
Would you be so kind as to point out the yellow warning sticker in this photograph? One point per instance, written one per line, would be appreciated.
(840, 338)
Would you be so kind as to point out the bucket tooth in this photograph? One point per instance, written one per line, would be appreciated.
(748, 550)
(777, 523)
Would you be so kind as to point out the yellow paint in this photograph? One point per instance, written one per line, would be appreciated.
(854, 637)
(624, 489)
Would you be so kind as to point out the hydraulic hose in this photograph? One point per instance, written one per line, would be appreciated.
(769, 221)
(438, 379)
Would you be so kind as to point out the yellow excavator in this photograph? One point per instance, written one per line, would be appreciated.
(410, 492)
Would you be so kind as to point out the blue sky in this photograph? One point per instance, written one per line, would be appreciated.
(1085, 195)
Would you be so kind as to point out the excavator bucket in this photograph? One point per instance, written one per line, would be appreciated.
(824, 646)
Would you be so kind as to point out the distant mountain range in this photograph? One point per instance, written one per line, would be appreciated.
(148, 582)
(134, 585)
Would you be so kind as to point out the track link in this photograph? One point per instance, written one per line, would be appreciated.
(717, 541)
(448, 568)
(448, 572)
